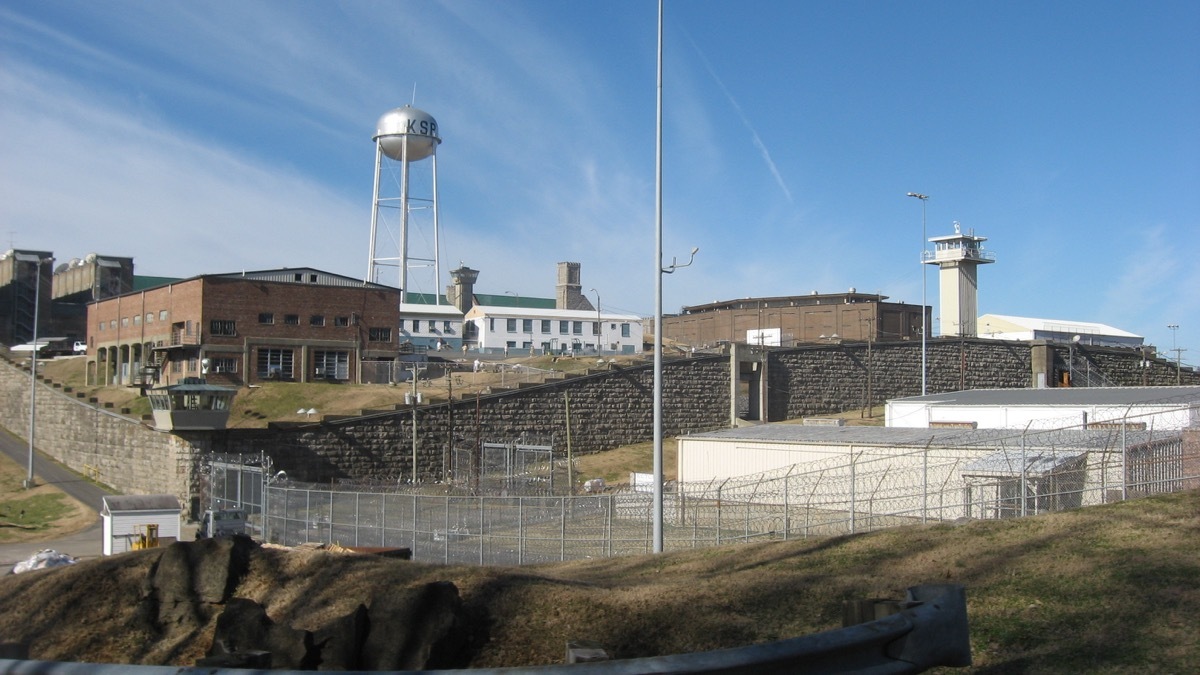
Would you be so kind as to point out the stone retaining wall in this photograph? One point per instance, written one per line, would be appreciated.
(606, 410)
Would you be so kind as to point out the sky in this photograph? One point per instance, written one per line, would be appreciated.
(217, 136)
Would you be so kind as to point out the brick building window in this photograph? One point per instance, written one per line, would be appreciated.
(316, 320)
(162, 315)
(275, 363)
(332, 365)
(222, 327)
(291, 319)
(224, 365)
(266, 317)
(379, 334)
(343, 321)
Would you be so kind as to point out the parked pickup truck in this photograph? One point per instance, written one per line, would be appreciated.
(222, 523)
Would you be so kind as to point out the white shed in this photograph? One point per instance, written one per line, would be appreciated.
(126, 518)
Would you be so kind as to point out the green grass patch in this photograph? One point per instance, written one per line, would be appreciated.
(35, 513)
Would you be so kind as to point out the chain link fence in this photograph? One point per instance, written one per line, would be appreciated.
(1000, 475)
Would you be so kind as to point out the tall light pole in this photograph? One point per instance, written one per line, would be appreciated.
(657, 526)
(924, 326)
(599, 325)
(659, 271)
(1174, 331)
(37, 296)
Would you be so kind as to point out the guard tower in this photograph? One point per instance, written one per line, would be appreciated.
(403, 137)
(958, 257)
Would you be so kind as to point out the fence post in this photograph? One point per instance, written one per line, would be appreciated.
(853, 485)
(925, 483)
(1024, 475)
(520, 530)
(307, 512)
(608, 524)
(562, 520)
(481, 530)
(1124, 463)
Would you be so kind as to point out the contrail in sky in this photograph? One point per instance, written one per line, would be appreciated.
(762, 148)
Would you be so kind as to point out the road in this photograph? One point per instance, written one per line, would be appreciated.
(86, 543)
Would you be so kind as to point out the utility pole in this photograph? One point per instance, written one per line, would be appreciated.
(1178, 352)
(413, 401)
(924, 323)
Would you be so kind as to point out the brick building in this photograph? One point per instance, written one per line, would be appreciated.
(288, 324)
(790, 320)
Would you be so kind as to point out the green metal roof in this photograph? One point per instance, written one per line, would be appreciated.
(507, 300)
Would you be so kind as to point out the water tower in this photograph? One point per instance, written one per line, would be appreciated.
(403, 137)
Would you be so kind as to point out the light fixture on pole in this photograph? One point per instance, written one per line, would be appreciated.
(1178, 363)
(599, 325)
(924, 326)
(37, 296)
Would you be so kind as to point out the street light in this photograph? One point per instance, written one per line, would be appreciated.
(599, 326)
(37, 296)
(1175, 329)
(924, 328)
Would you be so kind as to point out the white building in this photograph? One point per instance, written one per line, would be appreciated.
(130, 521)
(431, 327)
(844, 478)
(1153, 408)
(1003, 327)
(557, 331)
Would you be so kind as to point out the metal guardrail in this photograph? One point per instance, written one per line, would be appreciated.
(928, 630)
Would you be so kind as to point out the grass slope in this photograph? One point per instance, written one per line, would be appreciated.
(1109, 589)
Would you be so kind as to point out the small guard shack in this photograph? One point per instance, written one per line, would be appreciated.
(134, 522)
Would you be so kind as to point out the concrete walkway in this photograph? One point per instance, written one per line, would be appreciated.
(84, 544)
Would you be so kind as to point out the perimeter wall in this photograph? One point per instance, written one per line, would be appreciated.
(583, 414)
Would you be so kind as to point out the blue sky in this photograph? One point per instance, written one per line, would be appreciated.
(202, 137)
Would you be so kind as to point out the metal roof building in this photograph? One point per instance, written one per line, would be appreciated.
(1141, 407)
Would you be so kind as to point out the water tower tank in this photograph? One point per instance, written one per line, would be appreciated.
(410, 124)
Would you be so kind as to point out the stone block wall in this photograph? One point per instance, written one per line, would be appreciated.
(604, 410)
(118, 451)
